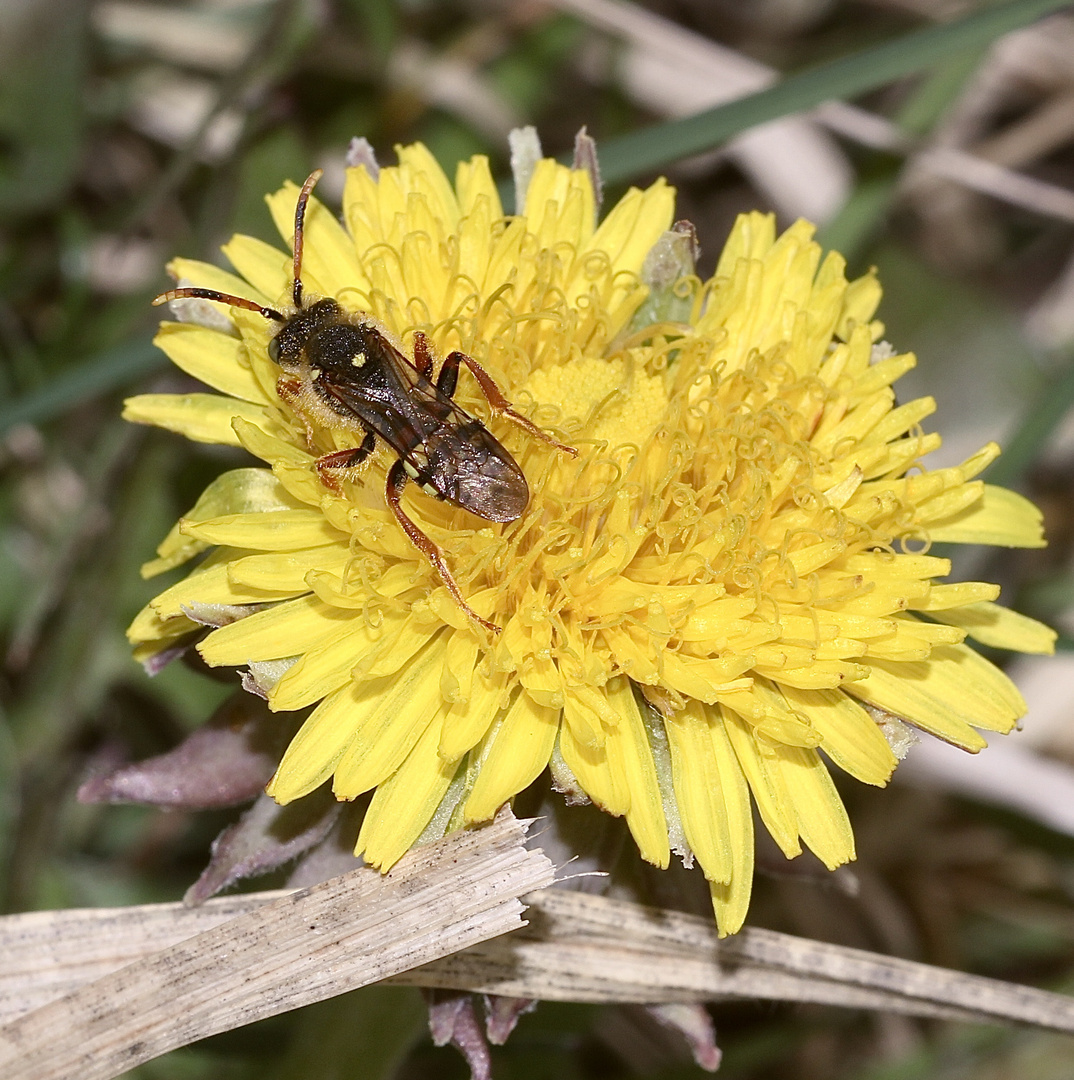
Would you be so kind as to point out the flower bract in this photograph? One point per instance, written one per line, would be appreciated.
(727, 592)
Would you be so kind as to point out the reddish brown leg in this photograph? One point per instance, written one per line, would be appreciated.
(290, 392)
(393, 491)
(449, 377)
(423, 355)
(343, 461)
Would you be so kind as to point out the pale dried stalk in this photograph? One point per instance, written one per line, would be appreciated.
(658, 39)
(284, 952)
(577, 948)
(678, 942)
(607, 971)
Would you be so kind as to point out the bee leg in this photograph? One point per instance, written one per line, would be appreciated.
(343, 461)
(290, 393)
(423, 355)
(449, 377)
(393, 491)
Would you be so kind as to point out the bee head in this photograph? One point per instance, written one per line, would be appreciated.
(288, 347)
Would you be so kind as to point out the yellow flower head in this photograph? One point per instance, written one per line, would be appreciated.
(726, 590)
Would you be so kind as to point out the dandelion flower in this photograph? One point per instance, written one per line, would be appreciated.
(725, 593)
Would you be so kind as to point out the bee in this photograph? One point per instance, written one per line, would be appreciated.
(341, 370)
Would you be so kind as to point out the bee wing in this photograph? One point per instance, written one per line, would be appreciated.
(399, 405)
(444, 449)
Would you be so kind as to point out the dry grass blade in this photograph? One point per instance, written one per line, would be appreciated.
(295, 949)
(587, 948)
(577, 948)
(691, 939)
(608, 970)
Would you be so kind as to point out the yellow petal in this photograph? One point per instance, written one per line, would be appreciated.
(820, 675)
(956, 688)
(731, 901)
(429, 178)
(326, 667)
(859, 303)
(359, 202)
(148, 629)
(704, 679)
(200, 417)
(629, 755)
(466, 722)
(283, 630)
(549, 192)
(266, 268)
(956, 594)
(913, 639)
(329, 263)
(582, 708)
(769, 791)
(460, 663)
(206, 276)
(699, 790)
(406, 705)
(520, 748)
(589, 760)
(149, 650)
(210, 584)
(287, 569)
(312, 754)
(949, 505)
(848, 734)
(406, 801)
(634, 225)
(1000, 627)
(396, 649)
(473, 181)
(821, 817)
(767, 712)
(996, 701)
(237, 491)
(217, 359)
(1000, 517)
(751, 236)
(283, 530)
(270, 448)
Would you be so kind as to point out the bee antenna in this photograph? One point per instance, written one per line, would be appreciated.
(220, 298)
(300, 215)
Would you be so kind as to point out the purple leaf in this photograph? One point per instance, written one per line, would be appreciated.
(502, 1013)
(226, 762)
(585, 157)
(659, 1038)
(335, 854)
(217, 615)
(452, 1019)
(264, 838)
(155, 663)
(360, 152)
(694, 1025)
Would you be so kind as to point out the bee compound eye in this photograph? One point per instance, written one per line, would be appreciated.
(274, 350)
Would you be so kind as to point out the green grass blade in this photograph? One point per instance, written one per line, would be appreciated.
(651, 148)
(850, 231)
(1041, 419)
(96, 376)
